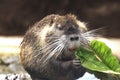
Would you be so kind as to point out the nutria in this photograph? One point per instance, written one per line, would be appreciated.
(47, 50)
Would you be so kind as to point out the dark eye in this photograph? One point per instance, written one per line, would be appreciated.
(59, 27)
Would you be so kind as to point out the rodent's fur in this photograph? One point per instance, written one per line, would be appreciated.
(47, 50)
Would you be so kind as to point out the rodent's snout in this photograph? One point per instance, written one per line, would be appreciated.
(74, 38)
(74, 41)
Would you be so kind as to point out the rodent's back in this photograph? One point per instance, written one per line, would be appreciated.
(47, 48)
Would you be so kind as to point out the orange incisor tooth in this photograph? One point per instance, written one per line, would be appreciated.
(73, 48)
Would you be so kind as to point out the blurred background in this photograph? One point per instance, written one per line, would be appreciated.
(16, 16)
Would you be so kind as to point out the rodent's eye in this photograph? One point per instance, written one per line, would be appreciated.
(59, 27)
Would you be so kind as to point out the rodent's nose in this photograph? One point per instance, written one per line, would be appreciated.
(74, 38)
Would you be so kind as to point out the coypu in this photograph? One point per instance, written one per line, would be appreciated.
(47, 50)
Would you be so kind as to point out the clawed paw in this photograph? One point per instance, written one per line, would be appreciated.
(76, 63)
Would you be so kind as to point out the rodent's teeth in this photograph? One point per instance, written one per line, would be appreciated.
(73, 48)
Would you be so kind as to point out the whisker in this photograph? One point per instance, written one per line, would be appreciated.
(57, 50)
(93, 33)
(48, 48)
(63, 44)
(52, 53)
(84, 42)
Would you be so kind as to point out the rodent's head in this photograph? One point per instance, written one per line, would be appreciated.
(64, 27)
(62, 33)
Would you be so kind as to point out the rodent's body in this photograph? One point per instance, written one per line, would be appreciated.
(47, 50)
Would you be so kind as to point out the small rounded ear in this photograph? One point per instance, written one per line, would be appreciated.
(53, 18)
(51, 22)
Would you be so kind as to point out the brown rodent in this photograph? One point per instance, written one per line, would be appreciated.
(47, 50)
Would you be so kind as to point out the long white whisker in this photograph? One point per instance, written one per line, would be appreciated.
(52, 53)
(57, 50)
(63, 44)
(48, 48)
(93, 33)
(52, 48)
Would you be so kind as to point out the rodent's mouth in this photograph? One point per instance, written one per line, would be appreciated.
(73, 48)
(73, 45)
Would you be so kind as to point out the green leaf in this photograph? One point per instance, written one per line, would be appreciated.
(98, 58)
(104, 53)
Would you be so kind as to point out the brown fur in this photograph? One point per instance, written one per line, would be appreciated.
(36, 54)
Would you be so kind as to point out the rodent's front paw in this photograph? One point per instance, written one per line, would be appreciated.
(76, 63)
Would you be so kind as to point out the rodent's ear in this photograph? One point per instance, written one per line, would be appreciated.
(52, 19)
(51, 22)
